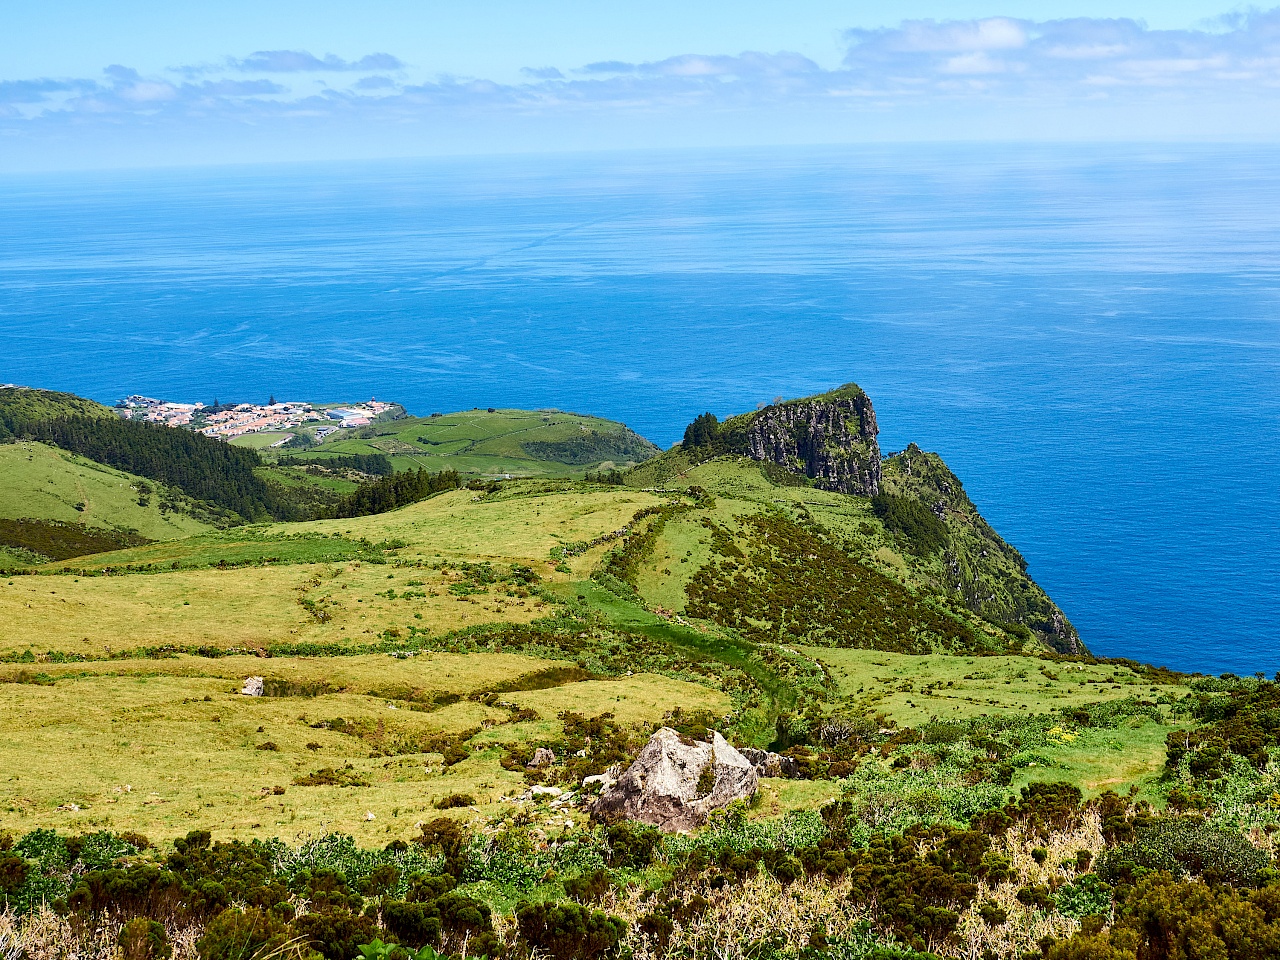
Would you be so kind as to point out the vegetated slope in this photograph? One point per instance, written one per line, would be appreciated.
(906, 520)
(205, 469)
(925, 503)
(21, 405)
(518, 443)
(45, 483)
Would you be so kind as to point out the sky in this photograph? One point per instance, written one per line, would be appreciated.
(86, 85)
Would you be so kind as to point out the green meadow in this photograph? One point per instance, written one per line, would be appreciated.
(518, 443)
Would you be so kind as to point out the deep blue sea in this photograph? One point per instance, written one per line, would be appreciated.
(1089, 336)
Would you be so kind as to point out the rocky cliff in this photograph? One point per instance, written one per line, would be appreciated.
(831, 439)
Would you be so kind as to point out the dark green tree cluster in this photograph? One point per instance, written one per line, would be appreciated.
(1163, 918)
(593, 447)
(375, 464)
(704, 431)
(1244, 722)
(59, 540)
(397, 490)
(925, 532)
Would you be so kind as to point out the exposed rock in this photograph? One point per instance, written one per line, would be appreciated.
(1062, 635)
(665, 786)
(831, 439)
(601, 781)
(768, 764)
(542, 757)
(252, 687)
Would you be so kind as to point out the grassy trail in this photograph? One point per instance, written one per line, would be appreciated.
(780, 696)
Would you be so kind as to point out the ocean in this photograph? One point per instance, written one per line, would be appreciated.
(1090, 336)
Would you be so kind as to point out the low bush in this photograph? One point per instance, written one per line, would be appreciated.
(569, 931)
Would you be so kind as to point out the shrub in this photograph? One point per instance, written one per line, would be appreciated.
(1087, 897)
(241, 935)
(632, 844)
(589, 887)
(143, 939)
(567, 931)
(1183, 845)
(329, 777)
(335, 935)
(454, 800)
(1166, 919)
(412, 923)
(446, 837)
(915, 521)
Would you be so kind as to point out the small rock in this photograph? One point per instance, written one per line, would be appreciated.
(541, 791)
(770, 764)
(252, 687)
(369, 815)
(542, 757)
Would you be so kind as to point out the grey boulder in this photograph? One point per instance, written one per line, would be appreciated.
(666, 786)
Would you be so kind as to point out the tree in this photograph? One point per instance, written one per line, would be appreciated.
(702, 432)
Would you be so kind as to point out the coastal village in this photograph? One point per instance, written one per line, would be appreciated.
(228, 421)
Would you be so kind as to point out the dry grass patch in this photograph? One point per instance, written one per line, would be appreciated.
(640, 698)
(252, 607)
(90, 615)
(464, 524)
(151, 753)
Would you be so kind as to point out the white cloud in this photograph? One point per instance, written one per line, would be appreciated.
(995, 33)
(300, 61)
(1072, 66)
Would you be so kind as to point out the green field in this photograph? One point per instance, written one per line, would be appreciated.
(518, 443)
(407, 580)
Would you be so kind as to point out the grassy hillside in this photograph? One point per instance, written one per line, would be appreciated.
(44, 483)
(472, 575)
(519, 443)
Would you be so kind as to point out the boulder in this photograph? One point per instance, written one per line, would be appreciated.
(542, 757)
(252, 687)
(666, 786)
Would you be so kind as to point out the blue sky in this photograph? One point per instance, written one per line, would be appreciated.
(132, 83)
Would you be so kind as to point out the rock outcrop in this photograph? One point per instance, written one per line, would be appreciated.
(542, 757)
(675, 783)
(253, 686)
(831, 439)
(769, 764)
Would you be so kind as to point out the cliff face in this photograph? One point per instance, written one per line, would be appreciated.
(978, 566)
(831, 439)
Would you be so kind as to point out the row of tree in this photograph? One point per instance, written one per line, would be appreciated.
(376, 464)
(396, 490)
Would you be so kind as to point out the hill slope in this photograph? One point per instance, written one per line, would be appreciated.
(495, 443)
(816, 462)
(46, 483)
(423, 668)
